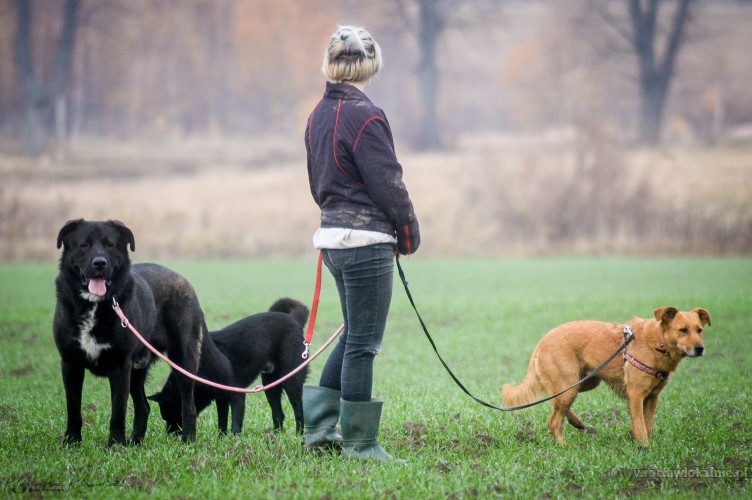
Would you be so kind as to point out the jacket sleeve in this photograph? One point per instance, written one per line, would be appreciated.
(382, 175)
(308, 163)
(408, 238)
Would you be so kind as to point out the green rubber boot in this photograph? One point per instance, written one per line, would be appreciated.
(360, 428)
(320, 414)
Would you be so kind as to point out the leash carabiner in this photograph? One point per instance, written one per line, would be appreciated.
(628, 335)
(116, 307)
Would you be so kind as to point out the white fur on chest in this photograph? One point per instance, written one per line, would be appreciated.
(86, 295)
(88, 343)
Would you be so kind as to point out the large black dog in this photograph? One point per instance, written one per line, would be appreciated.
(269, 344)
(95, 268)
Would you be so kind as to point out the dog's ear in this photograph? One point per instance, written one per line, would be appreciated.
(703, 315)
(69, 226)
(156, 397)
(665, 314)
(126, 233)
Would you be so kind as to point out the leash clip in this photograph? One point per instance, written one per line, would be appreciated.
(628, 335)
(305, 352)
(116, 307)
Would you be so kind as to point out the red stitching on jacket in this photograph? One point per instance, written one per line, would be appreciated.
(334, 146)
(355, 146)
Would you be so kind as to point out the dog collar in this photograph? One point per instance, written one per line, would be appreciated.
(659, 374)
(662, 348)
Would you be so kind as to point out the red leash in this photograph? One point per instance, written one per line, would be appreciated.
(314, 306)
(259, 388)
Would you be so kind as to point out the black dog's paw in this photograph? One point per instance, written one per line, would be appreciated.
(135, 440)
(188, 438)
(115, 440)
(70, 439)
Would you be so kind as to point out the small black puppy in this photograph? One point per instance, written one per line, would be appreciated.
(95, 269)
(270, 344)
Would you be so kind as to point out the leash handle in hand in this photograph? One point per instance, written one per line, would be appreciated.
(628, 337)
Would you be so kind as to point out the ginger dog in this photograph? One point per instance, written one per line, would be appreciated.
(570, 351)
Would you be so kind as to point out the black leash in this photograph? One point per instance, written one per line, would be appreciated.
(628, 337)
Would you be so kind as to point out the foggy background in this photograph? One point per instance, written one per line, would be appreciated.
(525, 127)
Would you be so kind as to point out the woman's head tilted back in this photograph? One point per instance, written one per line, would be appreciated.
(352, 56)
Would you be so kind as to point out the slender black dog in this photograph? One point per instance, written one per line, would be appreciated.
(95, 268)
(270, 344)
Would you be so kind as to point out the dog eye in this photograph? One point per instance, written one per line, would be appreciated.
(684, 330)
(699, 331)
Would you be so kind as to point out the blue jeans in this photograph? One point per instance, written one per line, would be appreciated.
(364, 278)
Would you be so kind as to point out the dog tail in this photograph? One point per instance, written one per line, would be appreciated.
(294, 308)
(527, 392)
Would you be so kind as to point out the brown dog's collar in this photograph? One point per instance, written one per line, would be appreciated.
(662, 349)
(660, 374)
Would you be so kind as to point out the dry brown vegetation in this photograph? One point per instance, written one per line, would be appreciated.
(574, 193)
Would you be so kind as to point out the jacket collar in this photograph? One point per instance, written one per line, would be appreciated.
(344, 91)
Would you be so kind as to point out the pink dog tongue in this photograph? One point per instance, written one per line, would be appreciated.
(97, 287)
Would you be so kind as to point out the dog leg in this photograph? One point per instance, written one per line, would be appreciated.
(574, 420)
(120, 381)
(636, 400)
(274, 398)
(140, 406)
(554, 426)
(295, 397)
(237, 403)
(223, 410)
(188, 411)
(649, 407)
(73, 381)
(561, 407)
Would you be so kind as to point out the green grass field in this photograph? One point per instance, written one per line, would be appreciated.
(486, 317)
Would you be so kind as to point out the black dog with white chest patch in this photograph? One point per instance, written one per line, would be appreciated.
(95, 268)
(269, 344)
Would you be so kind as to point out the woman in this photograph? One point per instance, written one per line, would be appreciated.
(366, 218)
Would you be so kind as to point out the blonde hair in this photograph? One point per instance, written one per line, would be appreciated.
(352, 55)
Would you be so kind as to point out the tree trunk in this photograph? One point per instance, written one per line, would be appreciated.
(33, 93)
(655, 75)
(430, 26)
(652, 104)
(40, 99)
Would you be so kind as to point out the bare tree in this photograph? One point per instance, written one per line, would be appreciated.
(431, 23)
(650, 29)
(44, 102)
(429, 19)
(656, 71)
